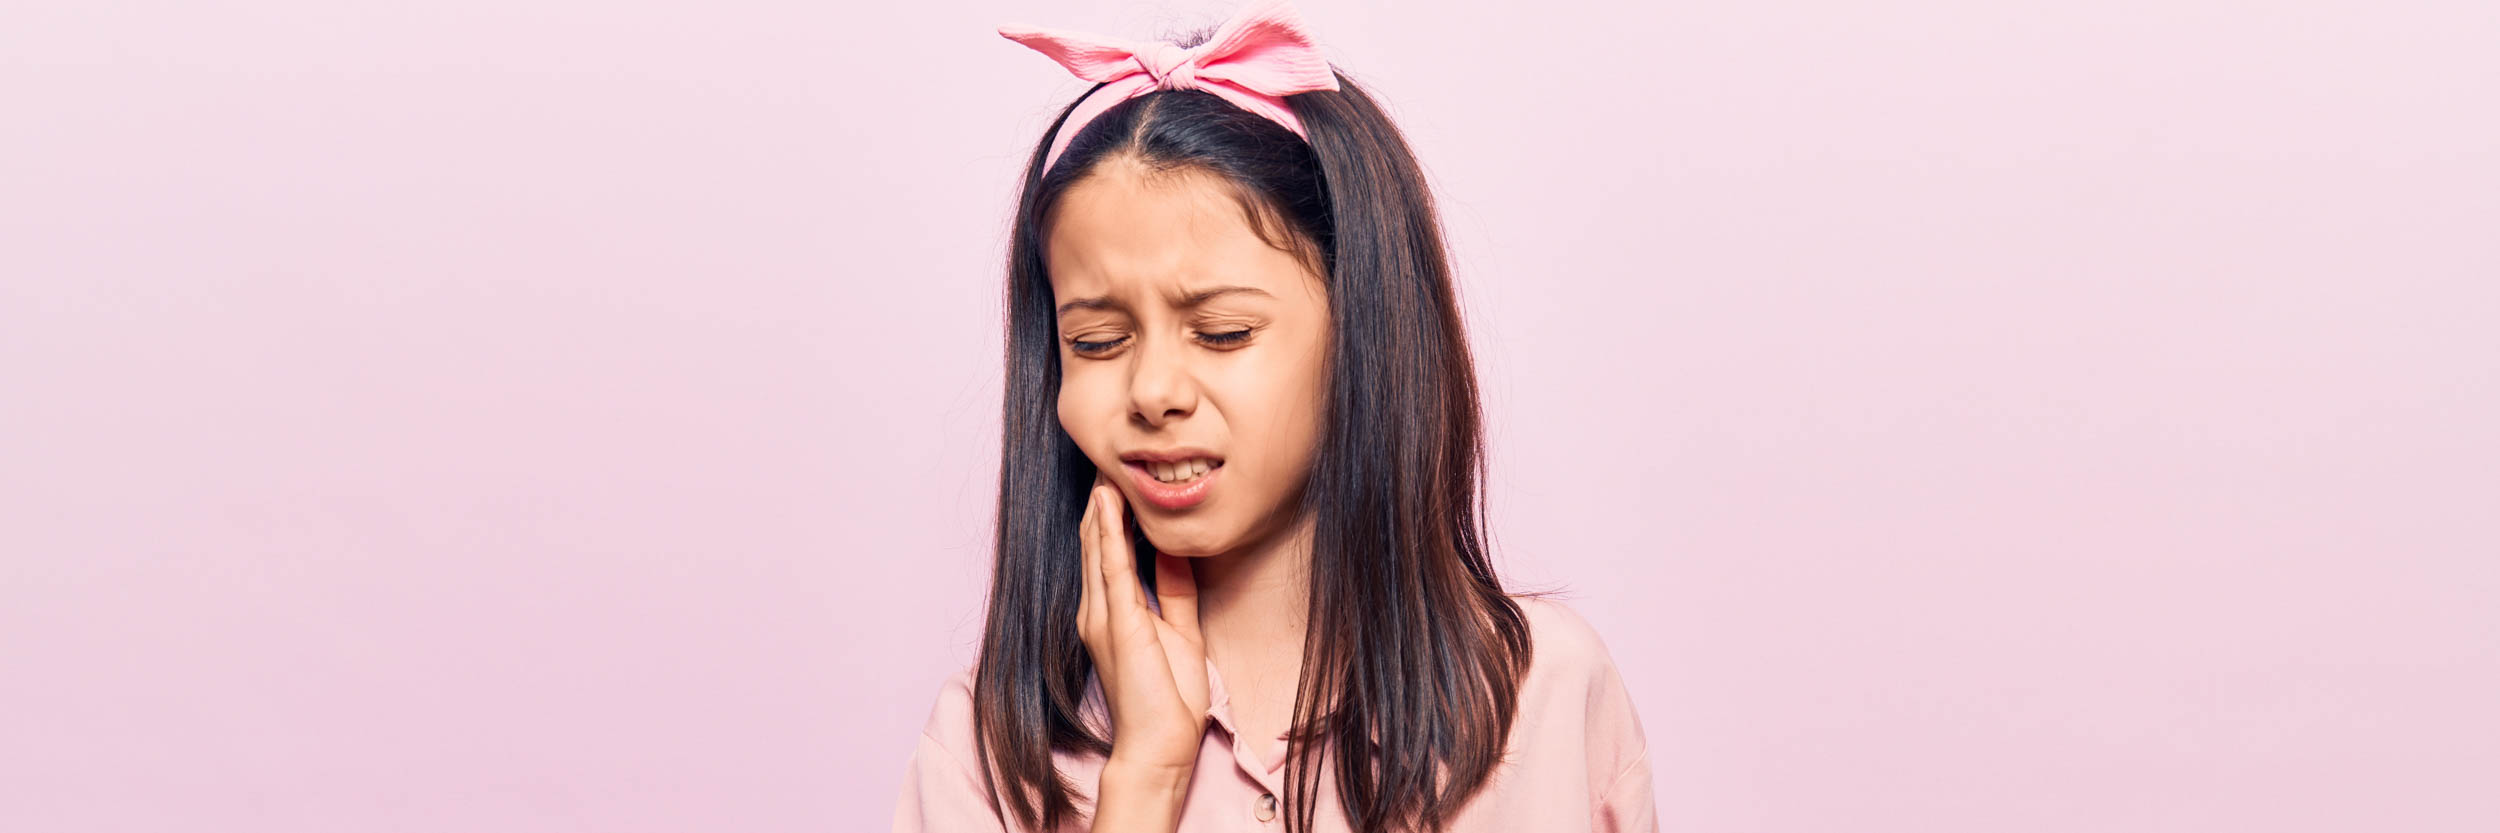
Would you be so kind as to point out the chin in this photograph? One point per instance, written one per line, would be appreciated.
(1176, 543)
(1184, 550)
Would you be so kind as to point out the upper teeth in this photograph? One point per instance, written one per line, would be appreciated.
(1183, 470)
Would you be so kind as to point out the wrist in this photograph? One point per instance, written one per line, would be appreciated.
(1140, 796)
(1146, 775)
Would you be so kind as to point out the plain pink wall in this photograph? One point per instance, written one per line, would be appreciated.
(551, 416)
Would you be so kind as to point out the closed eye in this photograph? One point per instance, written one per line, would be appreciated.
(1219, 339)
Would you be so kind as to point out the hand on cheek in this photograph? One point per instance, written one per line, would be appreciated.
(1152, 664)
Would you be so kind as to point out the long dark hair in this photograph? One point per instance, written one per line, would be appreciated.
(1414, 653)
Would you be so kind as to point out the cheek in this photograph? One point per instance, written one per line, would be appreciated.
(1310, 404)
(1081, 414)
(1280, 406)
(1072, 416)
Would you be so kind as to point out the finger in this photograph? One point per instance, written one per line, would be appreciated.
(1089, 581)
(1119, 562)
(1176, 588)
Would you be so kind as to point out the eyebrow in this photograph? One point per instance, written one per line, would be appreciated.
(1190, 300)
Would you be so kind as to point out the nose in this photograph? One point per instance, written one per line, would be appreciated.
(1161, 385)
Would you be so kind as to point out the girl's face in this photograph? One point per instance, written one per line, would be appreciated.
(1184, 333)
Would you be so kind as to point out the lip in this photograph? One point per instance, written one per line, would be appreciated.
(1168, 496)
(1172, 455)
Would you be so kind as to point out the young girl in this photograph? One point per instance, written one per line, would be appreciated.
(1239, 488)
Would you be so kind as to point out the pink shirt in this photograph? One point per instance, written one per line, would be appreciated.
(1579, 760)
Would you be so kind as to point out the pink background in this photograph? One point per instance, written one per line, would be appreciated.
(1961, 416)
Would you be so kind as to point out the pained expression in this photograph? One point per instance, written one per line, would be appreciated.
(1181, 327)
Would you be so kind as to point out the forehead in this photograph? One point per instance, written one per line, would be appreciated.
(1123, 230)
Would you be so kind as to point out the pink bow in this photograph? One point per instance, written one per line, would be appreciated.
(1254, 60)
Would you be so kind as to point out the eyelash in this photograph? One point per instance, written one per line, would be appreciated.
(1089, 348)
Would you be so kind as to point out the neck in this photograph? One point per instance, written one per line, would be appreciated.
(1253, 602)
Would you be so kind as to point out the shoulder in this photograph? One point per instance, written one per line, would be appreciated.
(1576, 739)
(1575, 715)
(1567, 650)
(1573, 694)
(942, 787)
(950, 725)
(950, 717)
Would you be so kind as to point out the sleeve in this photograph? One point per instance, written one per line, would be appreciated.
(1620, 783)
(1627, 806)
(941, 791)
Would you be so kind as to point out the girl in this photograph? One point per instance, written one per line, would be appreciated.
(1239, 488)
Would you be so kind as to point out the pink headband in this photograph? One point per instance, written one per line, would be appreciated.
(1254, 60)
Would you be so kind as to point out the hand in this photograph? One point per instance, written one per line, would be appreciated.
(1153, 667)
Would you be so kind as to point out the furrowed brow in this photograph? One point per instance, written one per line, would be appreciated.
(1190, 300)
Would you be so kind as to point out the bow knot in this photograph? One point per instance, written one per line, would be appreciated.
(1172, 67)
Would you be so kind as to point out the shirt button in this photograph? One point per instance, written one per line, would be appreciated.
(1267, 807)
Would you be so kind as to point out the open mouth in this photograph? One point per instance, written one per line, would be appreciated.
(1181, 473)
(1175, 486)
